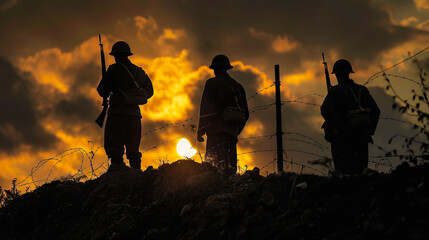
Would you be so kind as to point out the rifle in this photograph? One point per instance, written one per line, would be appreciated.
(328, 79)
(100, 118)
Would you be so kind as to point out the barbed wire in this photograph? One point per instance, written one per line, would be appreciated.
(400, 120)
(257, 137)
(262, 107)
(93, 170)
(259, 91)
(160, 144)
(92, 173)
(306, 142)
(305, 152)
(197, 117)
(370, 79)
(307, 137)
(57, 158)
(306, 103)
(402, 77)
(293, 163)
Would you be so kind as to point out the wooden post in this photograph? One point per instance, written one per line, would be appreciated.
(279, 131)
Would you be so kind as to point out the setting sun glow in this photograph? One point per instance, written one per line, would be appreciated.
(185, 149)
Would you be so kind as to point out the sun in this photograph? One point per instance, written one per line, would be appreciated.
(185, 149)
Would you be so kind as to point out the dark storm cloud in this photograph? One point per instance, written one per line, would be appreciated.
(76, 110)
(20, 122)
(357, 29)
(76, 107)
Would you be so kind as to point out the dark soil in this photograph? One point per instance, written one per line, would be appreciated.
(188, 200)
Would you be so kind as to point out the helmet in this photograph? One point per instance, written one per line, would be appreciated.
(121, 48)
(220, 61)
(342, 65)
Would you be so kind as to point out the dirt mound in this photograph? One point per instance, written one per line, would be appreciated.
(188, 200)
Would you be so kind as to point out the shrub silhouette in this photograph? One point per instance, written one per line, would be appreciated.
(416, 151)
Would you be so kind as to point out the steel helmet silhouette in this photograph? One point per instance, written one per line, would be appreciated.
(342, 65)
(220, 61)
(121, 48)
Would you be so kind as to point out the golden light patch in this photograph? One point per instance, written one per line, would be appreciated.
(298, 78)
(172, 33)
(50, 66)
(280, 44)
(174, 83)
(422, 4)
(15, 166)
(284, 44)
(424, 25)
(245, 161)
(253, 128)
(409, 21)
(35, 168)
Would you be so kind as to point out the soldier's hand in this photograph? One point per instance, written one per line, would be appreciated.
(200, 138)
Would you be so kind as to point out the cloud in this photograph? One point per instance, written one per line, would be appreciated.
(424, 25)
(279, 44)
(174, 85)
(174, 41)
(409, 21)
(146, 27)
(20, 123)
(422, 4)
(8, 4)
(298, 78)
(284, 44)
(355, 29)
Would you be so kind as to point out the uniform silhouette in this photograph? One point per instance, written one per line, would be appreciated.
(223, 114)
(351, 116)
(128, 86)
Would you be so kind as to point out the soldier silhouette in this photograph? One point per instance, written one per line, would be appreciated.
(351, 116)
(223, 115)
(128, 86)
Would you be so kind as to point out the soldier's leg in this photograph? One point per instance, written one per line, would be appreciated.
(342, 156)
(212, 149)
(133, 141)
(362, 156)
(232, 158)
(114, 139)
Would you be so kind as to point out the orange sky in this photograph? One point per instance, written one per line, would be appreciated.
(56, 72)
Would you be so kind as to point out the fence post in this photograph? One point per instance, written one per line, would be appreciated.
(279, 131)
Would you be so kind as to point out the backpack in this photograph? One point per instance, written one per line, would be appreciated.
(360, 117)
(233, 113)
(136, 95)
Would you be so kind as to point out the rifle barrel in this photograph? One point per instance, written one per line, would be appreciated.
(328, 79)
(101, 117)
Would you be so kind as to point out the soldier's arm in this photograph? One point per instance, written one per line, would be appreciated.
(328, 109)
(375, 111)
(206, 108)
(245, 107)
(106, 84)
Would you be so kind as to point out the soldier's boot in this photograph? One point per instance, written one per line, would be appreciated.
(116, 163)
(136, 163)
(135, 160)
